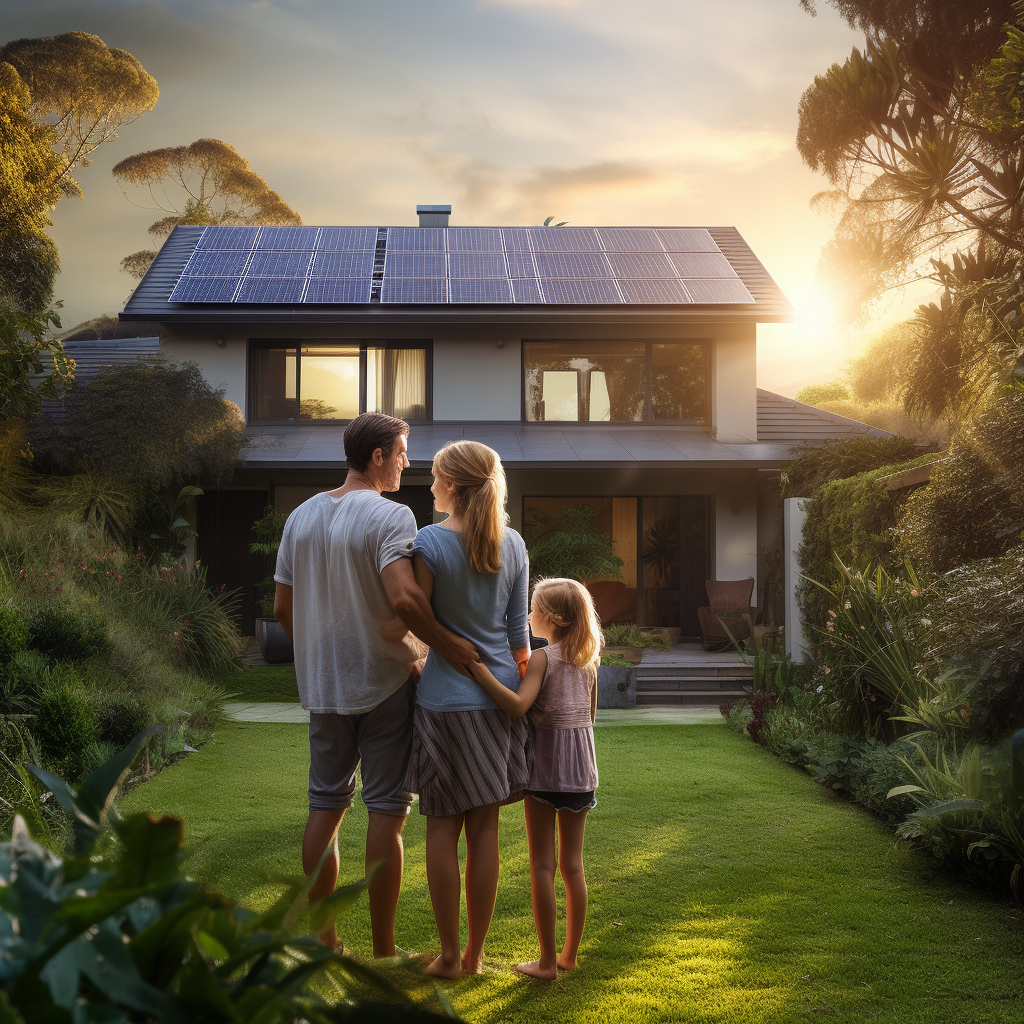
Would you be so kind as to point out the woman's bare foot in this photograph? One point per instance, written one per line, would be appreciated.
(535, 970)
(565, 964)
(441, 968)
(470, 966)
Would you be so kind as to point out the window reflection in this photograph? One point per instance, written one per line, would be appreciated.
(330, 382)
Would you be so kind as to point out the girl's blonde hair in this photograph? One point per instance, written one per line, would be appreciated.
(479, 498)
(570, 607)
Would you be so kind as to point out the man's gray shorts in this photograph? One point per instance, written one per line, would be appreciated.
(381, 739)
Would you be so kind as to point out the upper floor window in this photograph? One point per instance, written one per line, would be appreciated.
(617, 382)
(327, 380)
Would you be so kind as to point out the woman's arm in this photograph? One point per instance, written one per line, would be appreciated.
(516, 613)
(516, 704)
(593, 694)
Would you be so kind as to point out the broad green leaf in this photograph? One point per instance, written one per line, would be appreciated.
(152, 851)
(903, 790)
(97, 792)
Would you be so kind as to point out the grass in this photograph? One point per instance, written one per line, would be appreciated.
(262, 683)
(725, 886)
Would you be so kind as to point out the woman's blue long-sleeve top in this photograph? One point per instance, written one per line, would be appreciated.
(488, 609)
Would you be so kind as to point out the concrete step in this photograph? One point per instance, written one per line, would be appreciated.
(688, 686)
(725, 677)
(739, 671)
(686, 698)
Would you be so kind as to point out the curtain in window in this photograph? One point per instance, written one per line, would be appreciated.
(401, 378)
(272, 383)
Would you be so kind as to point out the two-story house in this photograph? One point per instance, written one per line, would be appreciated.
(610, 367)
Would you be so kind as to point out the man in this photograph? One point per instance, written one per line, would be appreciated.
(344, 569)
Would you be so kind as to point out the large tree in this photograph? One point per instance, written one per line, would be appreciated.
(208, 182)
(920, 135)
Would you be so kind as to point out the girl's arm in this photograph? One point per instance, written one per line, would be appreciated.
(516, 704)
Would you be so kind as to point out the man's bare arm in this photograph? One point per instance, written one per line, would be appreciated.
(413, 608)
(283, 607)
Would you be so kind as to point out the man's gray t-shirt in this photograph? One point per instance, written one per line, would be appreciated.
(332, 554)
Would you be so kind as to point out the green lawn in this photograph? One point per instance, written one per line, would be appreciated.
(262, 683)
(725, 886)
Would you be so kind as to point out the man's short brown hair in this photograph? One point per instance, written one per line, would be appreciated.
(368, 432)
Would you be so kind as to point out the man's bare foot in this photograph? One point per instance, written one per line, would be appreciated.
(441, 968)
(329, 938)
(534, 970)
(565, 964)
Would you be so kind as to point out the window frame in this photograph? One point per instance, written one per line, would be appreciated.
(363, 344)
(648, 419)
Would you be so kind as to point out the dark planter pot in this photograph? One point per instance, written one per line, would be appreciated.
(616, 686)
(273, 641)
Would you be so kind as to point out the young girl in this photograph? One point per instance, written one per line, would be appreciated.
(560, 694)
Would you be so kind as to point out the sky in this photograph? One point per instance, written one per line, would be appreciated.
(594, 111)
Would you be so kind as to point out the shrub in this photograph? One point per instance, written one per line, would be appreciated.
(973, 507)
(629, 634)
(571, 546)
(13, 634)
(614, 661)
(65, 635)
(838, 460)
(65, 725)
(22, 679)
(120, 717)
(884, 767)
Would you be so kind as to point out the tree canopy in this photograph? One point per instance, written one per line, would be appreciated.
(208, 182)
(32, 366)
(920, 135)
(29, 172)
(83, 89)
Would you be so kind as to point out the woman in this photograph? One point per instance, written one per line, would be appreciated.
(468, 755)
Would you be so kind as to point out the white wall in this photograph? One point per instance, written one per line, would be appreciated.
(734, 386)
(223, 365)
(477, 378)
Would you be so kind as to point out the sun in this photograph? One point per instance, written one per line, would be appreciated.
(815, 315)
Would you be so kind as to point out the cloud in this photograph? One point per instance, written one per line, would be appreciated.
(529, 3)
(553, 184)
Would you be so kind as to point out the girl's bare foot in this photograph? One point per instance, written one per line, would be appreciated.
(441, 968)
(565, 964)
(535, 970)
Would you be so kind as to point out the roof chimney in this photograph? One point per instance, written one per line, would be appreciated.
(432, 215)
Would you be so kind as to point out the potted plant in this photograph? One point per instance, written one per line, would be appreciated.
(274, 643)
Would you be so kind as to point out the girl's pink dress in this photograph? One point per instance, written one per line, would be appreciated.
(563, 737)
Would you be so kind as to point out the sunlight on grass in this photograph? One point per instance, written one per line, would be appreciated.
(725, 886)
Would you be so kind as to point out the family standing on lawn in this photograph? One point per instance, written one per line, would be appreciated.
(356, 586)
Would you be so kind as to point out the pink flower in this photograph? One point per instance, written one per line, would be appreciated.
(81, 565)
(827, 670)
(186, 622)
(830, 627)
(57, 590)
(832, 612)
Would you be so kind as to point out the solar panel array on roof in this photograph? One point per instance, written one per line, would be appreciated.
(576, 266)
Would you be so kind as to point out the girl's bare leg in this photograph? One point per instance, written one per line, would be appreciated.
(445, 886)
(571, 825)
(481, 880)
(540, 828)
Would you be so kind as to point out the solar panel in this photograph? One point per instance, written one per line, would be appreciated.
(219, 237)
(526, 290)
(279, 264)
(324, 289)
(640, 291)
(479, 290)
(702, 264)
(516, 239)
(572, 264)
(204, 289)
(412, 289)
(416, 239)
(521, 264)
(213, 263)
(337, 239)
(641, 264)
(270, 289)
(564, 239)
(580, 291)
(687, 240)
(474, 240)
(288, 238)
(358, 263)
(629, 239)
(718, 291)
(476, 264)
(414, 264)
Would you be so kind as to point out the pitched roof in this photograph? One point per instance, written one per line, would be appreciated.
(783, 420)
(151, 299)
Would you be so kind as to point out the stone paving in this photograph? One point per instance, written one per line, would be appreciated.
(294, 713)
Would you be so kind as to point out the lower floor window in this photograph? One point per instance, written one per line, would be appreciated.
(337, 381)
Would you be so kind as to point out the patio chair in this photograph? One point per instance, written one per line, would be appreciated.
(614, 601)
(728, 602)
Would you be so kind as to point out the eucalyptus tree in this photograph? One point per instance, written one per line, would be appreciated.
(208, 182)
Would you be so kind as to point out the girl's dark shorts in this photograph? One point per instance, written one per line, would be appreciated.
(565, 801)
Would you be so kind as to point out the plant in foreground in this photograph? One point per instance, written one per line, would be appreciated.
(125, 936)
